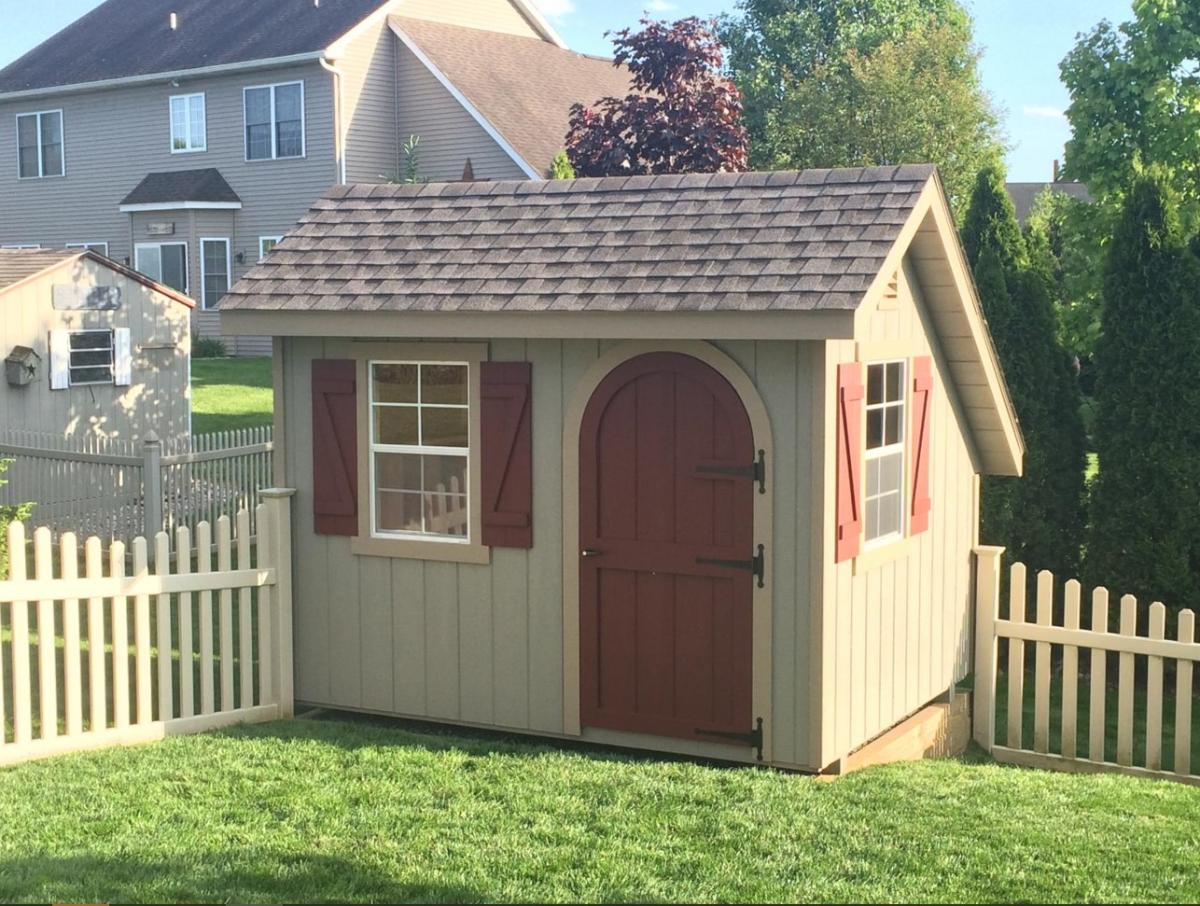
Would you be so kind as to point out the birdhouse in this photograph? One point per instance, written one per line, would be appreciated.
(20, 367)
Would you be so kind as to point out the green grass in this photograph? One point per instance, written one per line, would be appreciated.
(310, 811)
(230, 393)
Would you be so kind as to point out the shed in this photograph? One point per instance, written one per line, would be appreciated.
(92, 348)
(682, 463)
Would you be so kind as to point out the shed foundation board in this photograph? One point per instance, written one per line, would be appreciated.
(939, 730)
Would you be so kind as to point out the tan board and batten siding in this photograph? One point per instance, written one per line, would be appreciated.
(158, 399)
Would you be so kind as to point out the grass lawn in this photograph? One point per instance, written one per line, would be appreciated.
(310, 811)
(230, 393)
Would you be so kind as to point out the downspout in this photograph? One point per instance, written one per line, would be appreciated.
(339, 143)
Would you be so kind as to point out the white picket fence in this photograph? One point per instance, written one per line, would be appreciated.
(211, 642)
(118, 489)
(1146, 718)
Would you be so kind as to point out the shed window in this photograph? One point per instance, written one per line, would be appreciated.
(884, 462)
(274, 121)
(91, 357)
(40, 144)
(189, 129)
(420, 439)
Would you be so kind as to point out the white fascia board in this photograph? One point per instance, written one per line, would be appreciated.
(182, 206)
(466, 104)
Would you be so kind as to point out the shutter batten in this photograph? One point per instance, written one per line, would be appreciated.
(60, 359)
(922, 503)
(507, 454)
(335, 446)
(849, 461)
(122, 357)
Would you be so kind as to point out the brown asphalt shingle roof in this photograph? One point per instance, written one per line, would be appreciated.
(524, 87)
(1024, 194)
(206, 185)
(742, 242)
(21, 264)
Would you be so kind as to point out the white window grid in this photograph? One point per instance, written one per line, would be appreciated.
(41, 145)
(272, 90)
(74, 369)
(896, 450)
(184, 127)
(266, 243)
(205, 302)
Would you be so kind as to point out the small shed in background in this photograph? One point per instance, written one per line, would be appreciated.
(91, 347)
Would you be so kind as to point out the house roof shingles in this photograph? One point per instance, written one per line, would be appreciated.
(727, 242)
(1024, 194)
(524, 87)
(125, 38)
(17, 265)
(207, 186)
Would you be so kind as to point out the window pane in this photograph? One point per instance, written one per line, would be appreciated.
(444, 384)
(215, 259)
(446, 474)
(891, 470)
(216, 272)
(258, 142)
(874, 384)
(895, 375)
(86, 357)
(199, 138)
(893, 424)
(288, 140)
(91, 339)
(446, 514)
(874, 428)
(396, 425)
(265, 246)
(149, 262)
(289, 114)
(91, 375)
(398, 471)
(871, 528)
(395, 383)
(174, 266)
(395, 512)
(889, 515)
(52, 153)
(27, 139)
(179, 124)
(258, 124)
(444, 427)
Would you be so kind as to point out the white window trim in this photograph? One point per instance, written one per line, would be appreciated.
(112, 359)
(89, 245)
(187, 270)
(265, 239)
(228, 271)
(187, 122)
(901, 447)
(274, 123)
(18, 247)
(418, 449)
(62, 127)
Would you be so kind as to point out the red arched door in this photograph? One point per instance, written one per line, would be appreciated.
(667, 539)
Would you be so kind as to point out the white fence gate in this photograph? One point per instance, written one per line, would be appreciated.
(178, 644)
(1144, 730)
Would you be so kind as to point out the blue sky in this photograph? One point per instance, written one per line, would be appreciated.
(1023, 42)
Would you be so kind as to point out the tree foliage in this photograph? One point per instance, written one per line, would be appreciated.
(1040, 516)
(863, 82)
(684, 115)
(1145, 508)
(560, 167)
(1135, 97)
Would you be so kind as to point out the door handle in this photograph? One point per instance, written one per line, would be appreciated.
(587, 552)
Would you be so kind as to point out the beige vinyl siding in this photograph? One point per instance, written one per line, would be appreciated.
(489, 15)
(369, 105)
(449, 134)
(158, 399)
(897, 635)
(484, 644)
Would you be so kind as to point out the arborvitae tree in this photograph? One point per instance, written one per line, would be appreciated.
(1145, 508)
(1038, 517)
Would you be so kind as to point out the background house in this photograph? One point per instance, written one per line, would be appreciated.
(184, 139)
(684, 463)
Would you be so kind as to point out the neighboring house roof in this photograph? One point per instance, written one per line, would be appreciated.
(738, 241)
(1024, 194)
(205, 187)
(18, 266)
(523, 87)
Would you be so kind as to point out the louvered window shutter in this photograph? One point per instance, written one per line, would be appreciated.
(920, 452)
(122, 357)
(60, 359)
(335, 446)
(507, 454)
(849, 461)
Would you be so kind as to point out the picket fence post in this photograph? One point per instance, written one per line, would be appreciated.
(278, 552)
(987, 611)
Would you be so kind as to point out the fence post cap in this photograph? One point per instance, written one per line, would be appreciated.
(277, 493)
(151, 437)
(987, 550)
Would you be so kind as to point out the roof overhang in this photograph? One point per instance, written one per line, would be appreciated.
(947, 295)
(96, 257)
(181, 206)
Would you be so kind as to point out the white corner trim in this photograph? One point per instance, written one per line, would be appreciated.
(466, 104)
(530, 10)
(181, 206)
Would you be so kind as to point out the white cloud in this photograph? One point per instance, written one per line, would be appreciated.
(555, 9)
(1045, 113)
(660, 6)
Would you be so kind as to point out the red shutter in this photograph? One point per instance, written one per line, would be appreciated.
(849, 461)
(922, 412)
(335, 446)
(507, 454)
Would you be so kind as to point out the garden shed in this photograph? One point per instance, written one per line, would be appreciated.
(682, 463)
(92, 348)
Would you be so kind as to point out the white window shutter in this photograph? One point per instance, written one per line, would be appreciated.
(60, 360)
(122, 357)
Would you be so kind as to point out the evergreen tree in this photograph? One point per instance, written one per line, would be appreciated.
(1039, 517)
(1145, 513)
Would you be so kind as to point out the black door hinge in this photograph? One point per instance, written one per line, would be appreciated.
(756, 565)
(756, 471)
(754, 738)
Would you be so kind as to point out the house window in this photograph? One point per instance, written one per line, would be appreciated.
(165, 262)
(20, 247)
(884, 462)
(266, 243)
(91, 357)
(40, 144)
(420, 439)
(274, 121)
(214, 271)
(101, 247)
(189, 129)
